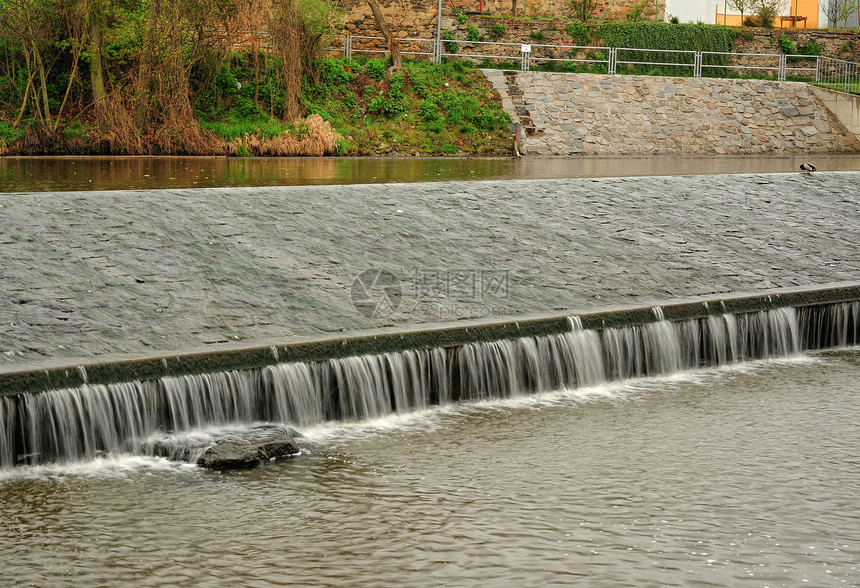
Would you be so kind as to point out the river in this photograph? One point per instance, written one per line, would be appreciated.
(745, 474)
(742, 475)
(47, 174)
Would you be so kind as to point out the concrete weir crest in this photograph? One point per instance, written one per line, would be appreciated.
(426, 337)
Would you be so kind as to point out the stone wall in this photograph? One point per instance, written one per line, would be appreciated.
(417, 18)
(606, 9)
(835, 44)
(586, 114)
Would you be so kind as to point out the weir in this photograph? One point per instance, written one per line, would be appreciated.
(370, 376)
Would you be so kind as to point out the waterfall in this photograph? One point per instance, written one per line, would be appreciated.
(85, 422)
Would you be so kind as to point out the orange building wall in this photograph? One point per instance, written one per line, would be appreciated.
(807, 8)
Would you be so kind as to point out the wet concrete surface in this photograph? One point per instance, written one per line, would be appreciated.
(87, 274)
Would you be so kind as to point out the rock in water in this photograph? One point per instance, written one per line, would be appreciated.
(236, 455)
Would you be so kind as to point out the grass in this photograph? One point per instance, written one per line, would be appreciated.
(425, 109)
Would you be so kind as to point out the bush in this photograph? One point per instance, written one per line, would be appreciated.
(462, 18)
(812, 49)
(766, 14)
(473, 34)
(375, 68)
(580, 33)
(635, 14)
(334, 73)
(497, 31)
(652, 36)
(449, 47)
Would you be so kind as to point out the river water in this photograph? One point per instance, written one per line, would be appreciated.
(736, 476)
(740, 475)
(46, 174)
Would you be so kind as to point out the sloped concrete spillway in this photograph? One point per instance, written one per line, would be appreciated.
(574, 351)
(88, 275)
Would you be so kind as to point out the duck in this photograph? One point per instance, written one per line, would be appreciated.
(807, 167)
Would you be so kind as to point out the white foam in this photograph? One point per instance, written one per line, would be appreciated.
(113, 466)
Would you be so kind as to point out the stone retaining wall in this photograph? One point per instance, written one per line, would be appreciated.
(573, 114)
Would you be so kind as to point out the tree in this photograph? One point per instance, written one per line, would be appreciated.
(298, 29)
(583, 9)
(47, 36)
(767, 10)
(393, 44)
(840, 11)
(742, 6)
(95, 16)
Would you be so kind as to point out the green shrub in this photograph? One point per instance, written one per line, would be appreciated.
(462, 17)
(649, 37)
(765, 15)
(342, 147)
(537, 35)
(375, 68)
(497, 31)
(449, 47)
(392, 104)
(786, 45)
(635, 14)
(334, 73)
(473, 34)
(580, 33)
(812, 49)
(8, 133)
(428, 111)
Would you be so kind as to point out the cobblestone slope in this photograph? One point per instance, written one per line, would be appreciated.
(573, 114)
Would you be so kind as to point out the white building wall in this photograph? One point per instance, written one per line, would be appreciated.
(693, 10)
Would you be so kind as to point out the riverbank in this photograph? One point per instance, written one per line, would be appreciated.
(357, 108)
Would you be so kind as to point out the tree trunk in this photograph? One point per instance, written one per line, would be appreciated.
(147, 64)
(393, 45)
(96, 22)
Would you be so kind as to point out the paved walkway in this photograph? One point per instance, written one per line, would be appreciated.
(92, 273)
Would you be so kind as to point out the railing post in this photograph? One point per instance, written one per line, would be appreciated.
(347, 46)
(782, 61)
(817, 68)
(613, 60)
(697, 64)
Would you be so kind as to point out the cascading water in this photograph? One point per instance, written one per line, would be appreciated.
(69, 424)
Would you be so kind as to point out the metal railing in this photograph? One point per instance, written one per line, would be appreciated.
(836, 74)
